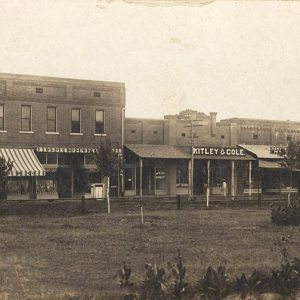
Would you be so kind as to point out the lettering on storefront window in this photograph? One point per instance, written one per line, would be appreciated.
(215, 151)
(160, 175)
(278, 150)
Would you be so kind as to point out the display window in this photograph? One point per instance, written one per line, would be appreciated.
(18, 186)
(47, 186)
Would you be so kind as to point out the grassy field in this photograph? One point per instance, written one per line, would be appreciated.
(48, 257)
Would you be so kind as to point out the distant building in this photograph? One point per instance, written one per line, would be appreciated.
(188, 152)
(49, 128)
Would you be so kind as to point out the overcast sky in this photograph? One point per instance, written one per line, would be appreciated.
(240, 59)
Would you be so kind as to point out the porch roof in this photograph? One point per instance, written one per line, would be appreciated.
(261, 151)
(159, 151)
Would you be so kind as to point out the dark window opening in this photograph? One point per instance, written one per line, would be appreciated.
(154, 131)
(255, 136)
(183, 134)
(25, 118)
(222, 136)
(51, 119)
(1, 116)
(133, 131)
(99, 121)
(51, 158)
(289, 138)
(75, 120)
(41, 157)
(39, 90)
(97, 94)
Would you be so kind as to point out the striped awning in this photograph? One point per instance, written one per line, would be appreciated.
(25, 162)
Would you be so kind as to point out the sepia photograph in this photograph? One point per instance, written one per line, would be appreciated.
(149, 150)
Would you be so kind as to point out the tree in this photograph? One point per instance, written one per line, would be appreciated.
(108, 162)
(5, 168)
(291, 159)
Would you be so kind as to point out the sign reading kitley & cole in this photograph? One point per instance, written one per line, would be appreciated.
(217, 151)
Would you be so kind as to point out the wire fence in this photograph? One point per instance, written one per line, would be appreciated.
(132, 204)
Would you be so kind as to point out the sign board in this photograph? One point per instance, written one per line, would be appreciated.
(72, 150)
(278, 150)
(160, 175)
(216, 151)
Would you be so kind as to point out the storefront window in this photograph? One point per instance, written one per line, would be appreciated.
(46, 187)
(18, 186)
(47, 158)
(51, 158)
(42, 157)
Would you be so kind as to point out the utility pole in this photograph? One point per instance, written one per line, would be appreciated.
(192, 137)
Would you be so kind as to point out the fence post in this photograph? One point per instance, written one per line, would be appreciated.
(178, 202)
(82, 204)
(259, 199)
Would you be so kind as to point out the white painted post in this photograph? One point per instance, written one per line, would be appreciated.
(250, 179)
(141, 178)
(107, 196)
(142, 215)
(208, 184)
(190, 178)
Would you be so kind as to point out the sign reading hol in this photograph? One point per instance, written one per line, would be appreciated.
(278, 150)
(215, 151)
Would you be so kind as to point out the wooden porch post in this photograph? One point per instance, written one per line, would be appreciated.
(250, 179)
(232, 179)
(208, 184)
(141, 177)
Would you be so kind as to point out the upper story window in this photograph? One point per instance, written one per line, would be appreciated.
(39, 90)
(99, 121)
(255, 136)
(133, 131)
(76, 118)
(183, 134)
(51, 119)
(1, 116)
(26, 118)
(222, 137)
(97, 94)
(289, 138)
(154, 131)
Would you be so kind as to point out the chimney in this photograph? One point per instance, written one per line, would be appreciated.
(213, 123)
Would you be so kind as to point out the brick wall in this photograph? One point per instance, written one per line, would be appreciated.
(64, 94)
(144, 131)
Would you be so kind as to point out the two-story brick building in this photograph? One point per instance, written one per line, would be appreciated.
(50, 126)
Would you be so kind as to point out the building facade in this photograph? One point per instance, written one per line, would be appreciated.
(192, 154)
(60, 122)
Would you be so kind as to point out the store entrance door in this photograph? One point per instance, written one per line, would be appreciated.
(199, 177)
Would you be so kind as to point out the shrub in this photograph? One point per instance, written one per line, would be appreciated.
(286, 215)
